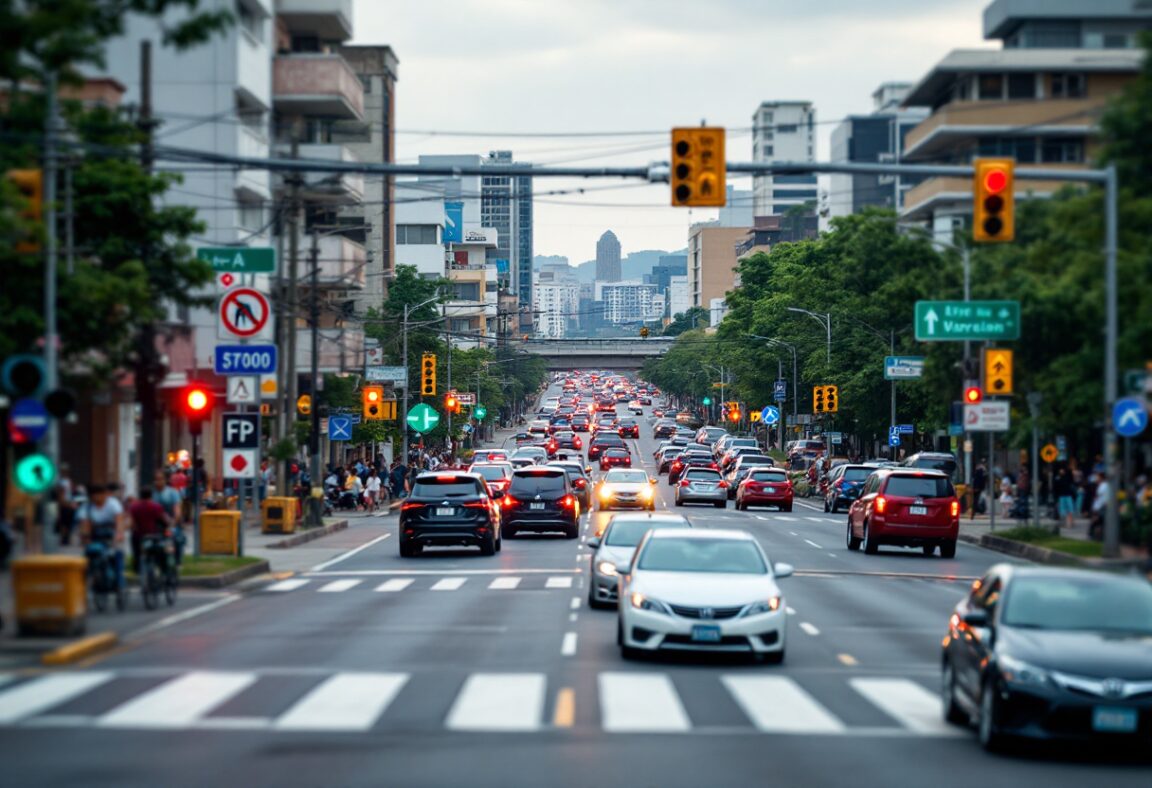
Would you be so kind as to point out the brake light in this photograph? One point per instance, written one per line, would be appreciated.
(577, 442)
(683, 482)
(714, 466)
(580, 484)
(508, 501)
(568, 501)
(445, 478)
(409, 505)
(955, 508)
(881, 504)
(476, 505)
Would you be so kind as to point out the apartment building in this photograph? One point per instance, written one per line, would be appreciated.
(783, 131)
(712, 261)
(506, 205)
(630, 302)
(557, 299)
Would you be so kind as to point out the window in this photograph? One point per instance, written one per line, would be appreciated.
(702, 555)
(366, 83)
(415, 234)
(1056, 151)
(251, 21)
(446, 487)
(1067, 86)
(788, 128)
(250, 214)
(1021, 86)
(991, 87)
(769, 150)
(1116, 41)
(466, 291)
(533, 482)
(919, 487)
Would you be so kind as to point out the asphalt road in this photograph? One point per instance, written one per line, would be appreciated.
(453, 669)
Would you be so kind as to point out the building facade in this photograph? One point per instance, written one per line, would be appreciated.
(712, 261)
(783, 131)
(557, 301)
(506, 206)
(630, 302)
(608, 258)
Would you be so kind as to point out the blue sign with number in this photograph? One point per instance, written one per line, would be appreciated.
(245, 359)
(339, 428)
(894, 440)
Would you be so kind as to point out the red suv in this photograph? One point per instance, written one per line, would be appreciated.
(907, 508)
(765, 487)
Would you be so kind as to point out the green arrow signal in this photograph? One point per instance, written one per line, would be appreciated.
(480, 412)
(35, 474)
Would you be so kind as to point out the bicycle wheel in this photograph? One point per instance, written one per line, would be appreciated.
(149, 584)
(171, 584)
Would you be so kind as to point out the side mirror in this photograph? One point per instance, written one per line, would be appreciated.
(783, 570)
(497, 494)
(652, 480)
(594, 543)
(623, 569)
(977, 618)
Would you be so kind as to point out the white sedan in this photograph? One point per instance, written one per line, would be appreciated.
(627, 487)
(701, 591)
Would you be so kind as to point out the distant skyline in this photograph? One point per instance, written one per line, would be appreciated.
(476, 74)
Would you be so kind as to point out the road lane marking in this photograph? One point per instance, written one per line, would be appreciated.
(790, 611)
(180, 702)
(809, 541)
(349, 554)
(815, 519)
(793, 533)
(505, 583)
(344, 702)
(558, 582)
(847, 659)
(788, 519)
(573, 616)
(45, 692)
(640, 702)
(176, 618)
(575, 603)
(568, 647)
(499, 701)
(778, 704)
(289, 585)
(336, 586)
(911, 704)
(809, 628)
(564, 715)
(395, 584)
(449, 584)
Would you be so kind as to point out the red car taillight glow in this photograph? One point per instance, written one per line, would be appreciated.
(410, 505)
(881, 504)
(508, 501)
(568, 501)
(955, 508)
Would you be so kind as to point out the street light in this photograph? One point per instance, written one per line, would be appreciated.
(824, 320)
(795, 379)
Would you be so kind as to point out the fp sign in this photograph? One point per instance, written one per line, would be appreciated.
(240, 440)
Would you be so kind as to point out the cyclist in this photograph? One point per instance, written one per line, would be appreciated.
(102, 520)
(148, 519)
(169, 497)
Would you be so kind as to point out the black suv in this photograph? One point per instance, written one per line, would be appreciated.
(541, 499)
(450, 509)
(604, 440)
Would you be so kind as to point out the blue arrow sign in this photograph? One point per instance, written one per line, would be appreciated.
(770, 415)
(1129, 417)
(29, 419)
(339, 428)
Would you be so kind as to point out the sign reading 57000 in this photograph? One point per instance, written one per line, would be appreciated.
(944, 321)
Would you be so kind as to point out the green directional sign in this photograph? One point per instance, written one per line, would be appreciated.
(956, 321)
(35, 474)
(423, 418)
(239, 260)
(480, 412)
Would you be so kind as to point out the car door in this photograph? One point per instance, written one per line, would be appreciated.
(859, 509)
(973, 646)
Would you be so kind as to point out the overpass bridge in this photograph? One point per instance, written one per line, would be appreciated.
(622, 353)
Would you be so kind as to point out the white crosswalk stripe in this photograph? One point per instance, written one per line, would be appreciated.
(344, 702)
(559, 582)
(336, 586)
(449, 584)
(179, 702)
(290, 584)
(395, 584)
(911, 704)
(505, 583)
(778, 704)
(499, 702)
(641, 702)
(45, 692)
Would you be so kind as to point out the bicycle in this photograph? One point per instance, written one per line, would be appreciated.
(103, 579)
(158, 571)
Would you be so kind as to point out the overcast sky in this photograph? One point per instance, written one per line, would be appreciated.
(474, 74)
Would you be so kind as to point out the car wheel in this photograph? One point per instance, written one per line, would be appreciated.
(850, 540)
(739, 506)
(488, 547)
(500, 542)
(834, 508)
(596, 604)
(952, 711)
(929, 550)
(989, 729)
(679, 502)
(510, 533)
(948, 549)
(407, 550)
(572, 531)
(870, 545)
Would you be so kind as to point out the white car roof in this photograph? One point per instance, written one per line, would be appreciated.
(731, 534)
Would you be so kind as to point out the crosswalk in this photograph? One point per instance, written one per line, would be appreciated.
(624, 701)
(393, 585)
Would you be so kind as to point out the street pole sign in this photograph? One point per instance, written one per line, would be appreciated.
(1129, 417)
(339, 428)
(244, 313)
(248, 360)
(240, 444)
(239, 260)
(988, 416)
(397, 376)
(770, 415)
(957, 321)
(422, 418)
(780, 390)
(903, 367)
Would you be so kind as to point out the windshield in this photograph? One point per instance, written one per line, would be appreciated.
(532, 483)
(627, 477)
(919, 487)
(702, 475)
(491, 472)
(454, 487)
(628, 533)
(702, 555)
(769, 476)
(1099, 603)
(945, 464)
(857, 474)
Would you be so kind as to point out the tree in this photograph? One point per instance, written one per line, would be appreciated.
(695, 317)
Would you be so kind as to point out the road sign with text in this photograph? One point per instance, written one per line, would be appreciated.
(988, 416)
(240, 260)
(903, 367)
(956, 321)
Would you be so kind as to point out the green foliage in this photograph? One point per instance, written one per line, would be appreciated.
(695, 317)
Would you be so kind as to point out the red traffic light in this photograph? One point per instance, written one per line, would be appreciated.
(198, 402)
(734, 415)
(973, 395)
(995, 181)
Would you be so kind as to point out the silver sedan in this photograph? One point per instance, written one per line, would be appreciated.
(702, 485)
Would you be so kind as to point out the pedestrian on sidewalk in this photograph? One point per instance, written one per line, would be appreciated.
(979, 485)
(1065, 503)
(372, 491)
(398, 475)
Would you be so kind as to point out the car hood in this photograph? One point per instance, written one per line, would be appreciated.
(627, 487)
(1095, 654)
(704, 589)
(615, 554)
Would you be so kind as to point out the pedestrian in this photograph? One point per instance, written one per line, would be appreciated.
(1006, 500)
(265, 478)
(979, 485)
(1099, 505)
(372, 491)
(397, 477)
(66, 508)
(167, 496)
(1062, 488)
(148, 518)
(353, 489)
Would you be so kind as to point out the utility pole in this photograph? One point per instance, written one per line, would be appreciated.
(315, 517)
(448, 337)
(402, 416)
(288, 385)
(51, 337)
(147, 364)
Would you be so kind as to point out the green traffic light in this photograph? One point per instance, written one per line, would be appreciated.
(707, 400)
(480, 412)
(35, 474)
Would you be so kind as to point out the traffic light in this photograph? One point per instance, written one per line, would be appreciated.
(197, 403)
(698, 172)
(973, 395)
(304, 405)
(372, 403)
(428, 375)
(707, 401)
(451, 403)
(831, 399)
(994, 201)
(818, 399)
(734, 415)
(23, 375)
(644, 332)
(30, 183)
(479, 412)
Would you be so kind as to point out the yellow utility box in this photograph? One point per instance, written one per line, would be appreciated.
(280, 514)
(50, 594)
(219, 532)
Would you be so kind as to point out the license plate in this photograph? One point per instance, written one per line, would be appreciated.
(769, 490)
(918, 510)
(702, 634)
(536, 506)
(1111, 719)
(445, 511)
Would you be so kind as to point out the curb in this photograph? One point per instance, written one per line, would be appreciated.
(1048, 556)
(309, 535)
(80, 649)
(227, 578)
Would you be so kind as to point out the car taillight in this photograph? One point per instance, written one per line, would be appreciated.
(713, 466)
(476, 505)
(576, 442)
(409, 505)
(508, 501)
(568, 501)
(723, 483)
(881, 504)
(580, 484)
(955, 508)
(684, 482)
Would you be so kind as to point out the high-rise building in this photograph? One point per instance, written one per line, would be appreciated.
(630, 302)
(556, 298)
(679, 296)
(608, 258)
(783, 131)
(712, 261)
(506, 206)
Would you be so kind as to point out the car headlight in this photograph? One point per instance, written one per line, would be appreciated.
(646, 493)
(1020, 672)
(607, 568)
(645, 603)
(770, 605)
(606, 492)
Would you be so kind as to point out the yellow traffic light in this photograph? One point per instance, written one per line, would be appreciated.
(30, 183)
(644, 332)
(998, 370)
(304, 405)
(994, 201)
(372, 403)
(831, 399)
(698, 173)
(428, 375)
(817, 399)
(451, 404)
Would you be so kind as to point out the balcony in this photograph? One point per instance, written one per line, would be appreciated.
(306, 83)
(330, 20)
(343, 263)
(341, 349)
(331, 188)
(954, 123)
(924, 199)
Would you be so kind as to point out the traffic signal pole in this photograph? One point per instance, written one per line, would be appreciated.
(51, 359)
(315, 507)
